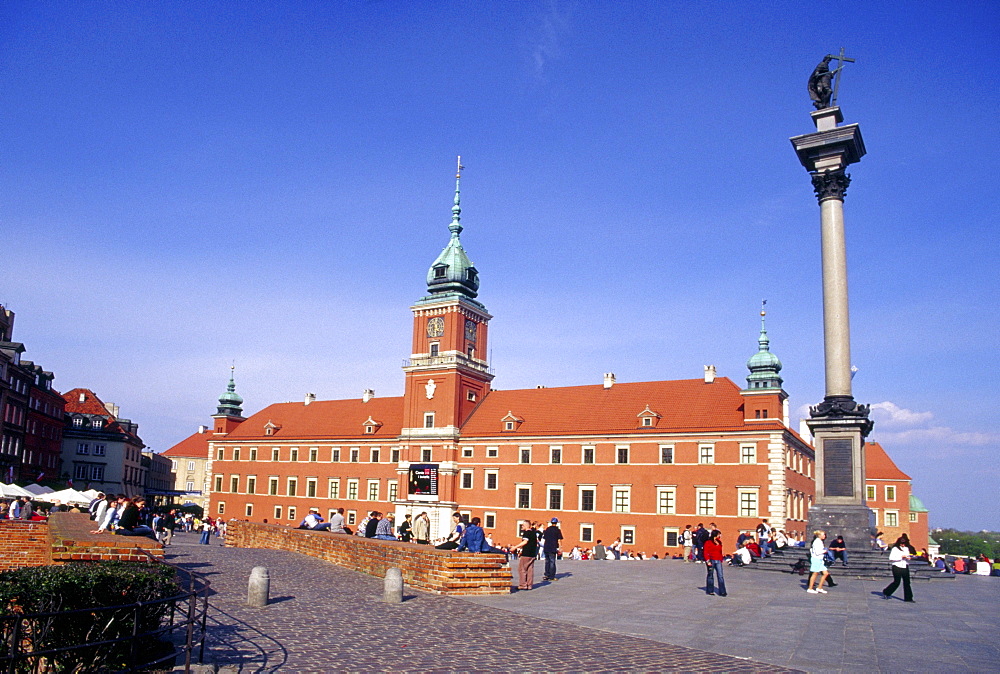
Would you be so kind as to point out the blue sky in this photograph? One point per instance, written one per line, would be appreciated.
(184, 185)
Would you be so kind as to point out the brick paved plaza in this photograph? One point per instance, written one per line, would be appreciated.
(599, 616)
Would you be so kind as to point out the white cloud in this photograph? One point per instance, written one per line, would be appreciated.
(891, 414)
(939, 435)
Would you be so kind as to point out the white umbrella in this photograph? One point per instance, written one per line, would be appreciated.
(91, 493)
(13, 491)
(70, 496)
(38, 489)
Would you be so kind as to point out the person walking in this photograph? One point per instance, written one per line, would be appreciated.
(817, 565)
(550, 548)
(899, 556)
(713, 561)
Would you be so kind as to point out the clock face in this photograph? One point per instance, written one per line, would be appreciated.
(435, 326)
(470, 331)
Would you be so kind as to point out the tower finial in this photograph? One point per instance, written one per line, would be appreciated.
(456, 211)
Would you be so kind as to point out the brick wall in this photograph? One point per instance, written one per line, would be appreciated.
(423, 567)
(66, 537)
(24, 543)
(73, 542)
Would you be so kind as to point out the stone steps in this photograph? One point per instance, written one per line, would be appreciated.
(862, 564)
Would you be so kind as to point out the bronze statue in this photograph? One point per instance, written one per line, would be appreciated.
(820, 89)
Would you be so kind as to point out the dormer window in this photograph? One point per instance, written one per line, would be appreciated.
(440, 272)
(511, 422)
(648, 418)
(77, 422)
(270, 428)
(372, 426)
(471, 275)
(97, 423)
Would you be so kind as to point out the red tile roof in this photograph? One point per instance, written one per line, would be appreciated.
(195, 445)
(94, 406)
(879, 466)
(683, 405)
(325, 419)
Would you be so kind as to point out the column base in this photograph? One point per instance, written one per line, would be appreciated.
(854, 522)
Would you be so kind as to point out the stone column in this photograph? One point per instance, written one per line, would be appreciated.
(838, 424)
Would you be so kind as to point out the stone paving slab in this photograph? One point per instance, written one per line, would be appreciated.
(598, 616)
(953, 626)
(327, 619)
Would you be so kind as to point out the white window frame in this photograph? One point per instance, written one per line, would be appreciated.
(701, 505)
(621, 498)
(492, 452)
(555, 454)
(892, 515)
(468, 452)
(593, 455)
(353, 486)
(748, 491)
(628, 454)
(277, 512)
(392, 490)
(678, 540)
(748, 453)
(672, 457)
(312, 485)
(706, 451)
(549, 490)
(579, 497)
(377, 484)
(627, 534)
(333, 488)
(428, 420)
(584, 526)
(466, 477)
(517, 495)
(871, 492)
(487, 524)
(670, 508)
(520, 454)
(496, 479)
(291, 512)
(890, 488)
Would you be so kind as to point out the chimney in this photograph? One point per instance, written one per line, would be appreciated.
(83, 397)
(112, 409)
(609, 379)
(310, 397)
(709, 374)
(202, 429)
(367, 395)
(804, 430)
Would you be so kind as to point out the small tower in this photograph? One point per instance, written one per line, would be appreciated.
(229, 414)
(764, 397)
(447, 375)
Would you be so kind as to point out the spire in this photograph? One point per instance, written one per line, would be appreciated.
(764, 366)
(453, 273)
(230, 401)
(456, 211)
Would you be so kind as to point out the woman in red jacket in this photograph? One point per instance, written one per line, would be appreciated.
(713, 560)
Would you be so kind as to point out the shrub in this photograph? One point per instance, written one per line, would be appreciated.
(72, 587)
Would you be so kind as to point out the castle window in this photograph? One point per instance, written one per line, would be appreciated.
(890, 493)
(295, 454)
(748, 454)
(526, 455)
(588, 455)
(435, 349)
(439, 272)
(471, 396)
(376, 454)
(425, 454)
(314, 453)
(491, 479)
(666, 454)
(623, 454)
(647, 421)
(555, 498)
(467, 452)
(508, 425)
(428, 420)
(249, 510)
(706, 454)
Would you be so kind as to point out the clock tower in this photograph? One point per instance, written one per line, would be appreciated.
(447, 374)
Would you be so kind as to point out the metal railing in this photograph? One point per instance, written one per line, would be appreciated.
(176, 624)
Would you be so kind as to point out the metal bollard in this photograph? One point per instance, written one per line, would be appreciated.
(393, 593)
(259, 587)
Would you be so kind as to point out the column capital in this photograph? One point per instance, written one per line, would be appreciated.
(830, 184)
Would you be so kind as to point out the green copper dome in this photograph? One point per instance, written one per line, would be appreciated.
(916, 505)
(764, 366)
(230, 401)
(453, 272)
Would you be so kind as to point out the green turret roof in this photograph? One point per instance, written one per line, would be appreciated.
(452, 273)
(764, 366)
(230, 401)
(916, 505)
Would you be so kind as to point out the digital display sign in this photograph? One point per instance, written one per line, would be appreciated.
(423, 479)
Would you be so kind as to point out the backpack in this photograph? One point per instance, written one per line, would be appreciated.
(799, 567)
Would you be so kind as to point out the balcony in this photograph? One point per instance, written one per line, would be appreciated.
(445, 360)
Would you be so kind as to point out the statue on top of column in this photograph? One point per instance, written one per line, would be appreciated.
(820, 87)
